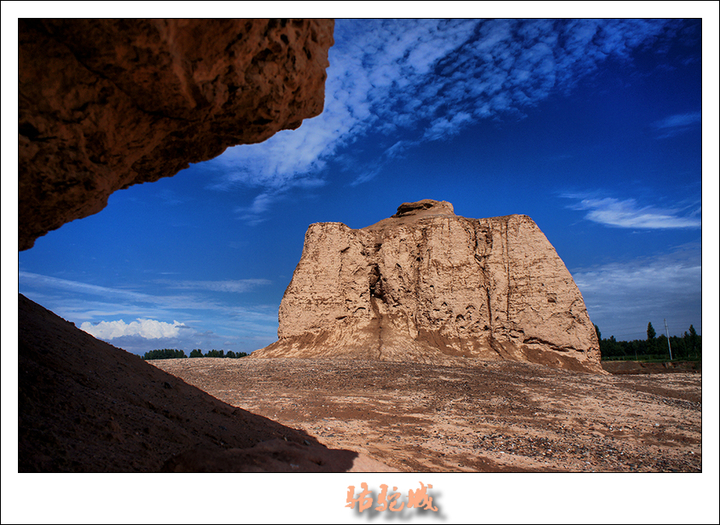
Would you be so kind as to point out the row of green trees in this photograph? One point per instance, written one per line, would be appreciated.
(217, 353)
(173, 353)
(165, 353)
(687, 347)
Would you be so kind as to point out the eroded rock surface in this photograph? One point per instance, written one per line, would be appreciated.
(104, 104)
(430, 286)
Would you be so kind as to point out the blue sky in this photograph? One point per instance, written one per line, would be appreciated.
(591, 127)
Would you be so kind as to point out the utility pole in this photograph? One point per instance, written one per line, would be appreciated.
(668, 338)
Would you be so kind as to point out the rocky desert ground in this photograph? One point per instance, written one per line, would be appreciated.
(481, 417)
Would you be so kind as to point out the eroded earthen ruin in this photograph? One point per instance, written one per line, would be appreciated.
(427, 285)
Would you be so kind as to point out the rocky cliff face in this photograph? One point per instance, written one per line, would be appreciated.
(427, 285)
(104, 104)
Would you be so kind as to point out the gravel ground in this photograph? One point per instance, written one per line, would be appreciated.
(481, 417)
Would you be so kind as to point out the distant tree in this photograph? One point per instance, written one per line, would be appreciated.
(650, 332)
(694, 341)
(615, 348)
(609, 347)
(217, 353)
(597, 331)
(638, 348)
(678, 347)
(165, 353)
(661, 345)
(653, 347)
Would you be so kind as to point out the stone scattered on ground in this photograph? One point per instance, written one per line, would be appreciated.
(484, 417)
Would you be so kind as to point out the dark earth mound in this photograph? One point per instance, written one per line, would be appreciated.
(86, 406)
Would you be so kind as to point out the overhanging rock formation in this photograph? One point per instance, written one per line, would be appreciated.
(104, 104)
(427, 285)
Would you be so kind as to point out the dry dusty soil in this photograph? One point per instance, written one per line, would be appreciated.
(485, 417)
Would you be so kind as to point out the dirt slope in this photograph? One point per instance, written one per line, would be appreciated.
(86, 406)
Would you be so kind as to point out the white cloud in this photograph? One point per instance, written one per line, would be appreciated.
(433, 77)
(629, 214)
(145, 328)
(89, 304)
(240, 329)
(623, 297)
(446, 126)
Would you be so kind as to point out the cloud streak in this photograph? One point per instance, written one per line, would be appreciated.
(628, 213)
(240, 328)
(43, 281)
(623, 297)
(428, 79)
(38, 281)
(677, 124)
(232, 286)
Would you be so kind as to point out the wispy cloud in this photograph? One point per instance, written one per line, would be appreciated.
(113, 301)
(44, 281)
(233, 286)
(33, 280)
(623, 297)
(428, 79)
(257, 211)
(628, 213)
(677, 124)
(138, 322)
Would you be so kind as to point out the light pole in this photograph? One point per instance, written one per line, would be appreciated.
(668, 338)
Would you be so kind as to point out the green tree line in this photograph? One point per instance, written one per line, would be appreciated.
(165, 353)
(217, 353)
(171, 353)
(654, 347)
